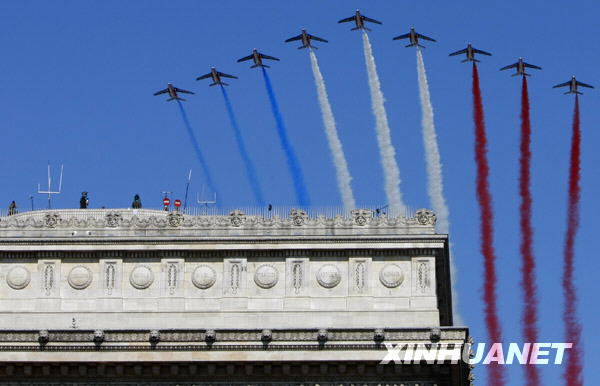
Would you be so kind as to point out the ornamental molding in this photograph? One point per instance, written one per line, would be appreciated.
(146, 219)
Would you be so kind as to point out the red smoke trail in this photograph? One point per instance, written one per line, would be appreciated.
(496, 373)
(572, 374)
(528, 267)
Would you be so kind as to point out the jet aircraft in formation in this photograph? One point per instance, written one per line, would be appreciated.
(520, 65)
(305, 37)
(573, 84)
(414, 37)
(172, 91)
(257, 58)
(216, 77)
(359, 20)
(470, 51)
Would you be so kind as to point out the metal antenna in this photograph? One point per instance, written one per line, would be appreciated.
(187, 188)
(205, 203)
(50, 192)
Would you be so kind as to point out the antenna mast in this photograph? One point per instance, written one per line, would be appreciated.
(50, 192)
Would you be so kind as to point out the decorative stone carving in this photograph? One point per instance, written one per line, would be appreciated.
(154, 336)
(175, 219)
(360, 269)
(425, 217)
(361, 216)
(329, 276)
(322, 335)
(80, 277)
(266, 276)
(435, 335)
(172, 277)
(297, 276)
(204, 276)
(98, 336)
(237, 218)
(109, 275)
(113, 219)
(18, 277)
(43, 337)
(51, 220)
(391, 275)
(141, 277)
(235, 274)
(266, 335)
(423, 280)
(379, 335)
(210, 336)
(48, 278)
(298, 216)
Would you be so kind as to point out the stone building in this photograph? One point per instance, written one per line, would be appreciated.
(139, 296)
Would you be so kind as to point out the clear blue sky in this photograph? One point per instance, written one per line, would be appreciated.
(77, 84)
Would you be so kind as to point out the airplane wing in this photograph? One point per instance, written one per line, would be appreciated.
(267, 57)
(294, 38)
(351, 18)
(162, 92)
(245, 58)
(371, 20)
(405, 36)
(204, 76)
(475, 50)
(532, 66)
(584, 84)
(226, 75)
(509, 66)
(563, 84)
(182, 91)
(425, 37)
(458, 52)
(318, 38)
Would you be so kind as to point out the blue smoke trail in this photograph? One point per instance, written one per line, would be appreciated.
(292, 160)
(197, 149)
(250, 170)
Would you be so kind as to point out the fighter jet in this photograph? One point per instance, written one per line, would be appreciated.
(414, 37)
(470, 51)
(172, 90)
(305, 37)
(257, 58)
(573, 84)
(216, 77)
(520, 65)
(359, 20)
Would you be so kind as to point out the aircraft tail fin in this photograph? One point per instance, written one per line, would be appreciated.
(213, 84)
(175, 98)
(466, 60)
(305, 46)
(516, 74)
(260, 65)
(355, 28)
(420, 45)
(410, 45)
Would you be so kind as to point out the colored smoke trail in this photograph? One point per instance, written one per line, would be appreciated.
(197, 149)
(484, 198)
(435, 186)
(528, 265)
(574, 368)
(335, 145)
(250, 170)
(391, 172)
(292, 160)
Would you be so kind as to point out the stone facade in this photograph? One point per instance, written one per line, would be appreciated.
(138, 286)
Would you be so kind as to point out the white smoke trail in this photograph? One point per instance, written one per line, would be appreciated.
(335, 146)
(391, 172)
(435, 186)
(432, 152)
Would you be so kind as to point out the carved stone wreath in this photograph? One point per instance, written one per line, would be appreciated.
(51, 220)
(361, 216)
(298, 216)
(237, 218)
(175, 219)
(425, 217)
(113, 219)
(266, 276)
